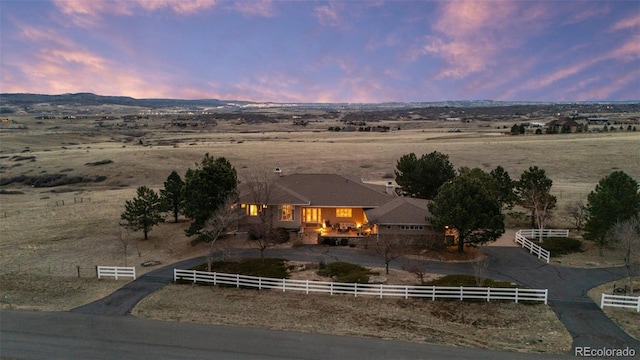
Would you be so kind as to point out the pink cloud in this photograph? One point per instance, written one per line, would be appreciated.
(559, 75)
(178, 6)
(95, 8)
(472, 36)
(630, 22)
(262, 8)
(327, 15)
(586, 11)
(629, 50)
(611, 87)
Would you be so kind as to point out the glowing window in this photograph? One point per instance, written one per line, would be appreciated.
(252, 210)
(286, 213)
(343, 212)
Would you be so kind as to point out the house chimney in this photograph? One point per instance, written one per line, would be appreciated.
(390, 188)
(277, 171)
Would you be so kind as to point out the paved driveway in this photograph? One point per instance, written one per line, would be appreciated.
(585, 321)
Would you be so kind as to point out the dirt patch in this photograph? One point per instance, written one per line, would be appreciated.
(503, 326)
(46, 293)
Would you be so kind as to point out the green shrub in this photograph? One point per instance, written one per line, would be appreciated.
(271, 268)
(561, 246)
(468, 280)
(345, 272)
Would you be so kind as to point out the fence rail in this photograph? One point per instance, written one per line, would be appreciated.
(620, 301)
(533, 248)
(546, 233)
(379, 290)
(116, 271)
(523, 236)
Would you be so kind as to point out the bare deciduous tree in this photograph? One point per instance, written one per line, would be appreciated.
(221, 222)
(123, 237)
(390, 247)
(626, 235)
(576, 214)
(261, 191)
(417, 267)
(480, 270)
(543, 206)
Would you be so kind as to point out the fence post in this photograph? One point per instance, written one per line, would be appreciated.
(215, 280)
(237, 280)
(259, 283)
(488, 294)
(194, 276)
(406, 292)
(307, 287)
(516, 295)
(380, 291)
(433, 293)
(638, 307)
(331, 288)
(461, 293)
(284, 284)
(97, 272)
(355, 289)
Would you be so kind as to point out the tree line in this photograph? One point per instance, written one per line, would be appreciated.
(472, 200)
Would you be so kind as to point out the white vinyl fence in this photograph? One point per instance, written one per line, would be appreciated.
(523, 236)
(621, 301)
(380, 290)
(116, 271)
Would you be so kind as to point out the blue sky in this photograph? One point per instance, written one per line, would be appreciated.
(323, 51)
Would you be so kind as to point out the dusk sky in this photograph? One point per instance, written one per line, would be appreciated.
(319, 51)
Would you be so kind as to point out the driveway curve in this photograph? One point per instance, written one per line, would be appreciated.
(585, 321)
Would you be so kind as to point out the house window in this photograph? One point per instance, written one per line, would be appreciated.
(411, 227)
(311, 215)
(252, 210)
(286, 213)
(343, 212)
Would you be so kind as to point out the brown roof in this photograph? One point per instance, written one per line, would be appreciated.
(400, 211)
(324, 190)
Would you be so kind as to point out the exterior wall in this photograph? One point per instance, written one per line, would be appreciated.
(274, 211)
(397, 229)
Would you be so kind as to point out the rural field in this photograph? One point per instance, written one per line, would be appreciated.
(53, 237)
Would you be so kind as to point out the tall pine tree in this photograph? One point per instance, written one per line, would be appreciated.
(172, 194)
(143, 212)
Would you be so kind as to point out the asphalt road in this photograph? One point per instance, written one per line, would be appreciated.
(93, 332)
(68, 335)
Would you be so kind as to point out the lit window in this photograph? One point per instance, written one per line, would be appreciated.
(252, 210)
(343, 212)
(286, 213)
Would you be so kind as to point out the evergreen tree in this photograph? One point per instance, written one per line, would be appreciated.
(423, 177)
(505, 185)
(469, 205)
(206, 188)
(615, 199)
(144, 211)
(172, 194)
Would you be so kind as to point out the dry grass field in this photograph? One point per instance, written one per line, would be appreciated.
(54, 233)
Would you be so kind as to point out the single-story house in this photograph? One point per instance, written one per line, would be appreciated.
(331, 207)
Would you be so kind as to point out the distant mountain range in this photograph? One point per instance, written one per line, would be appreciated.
(89, 99)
